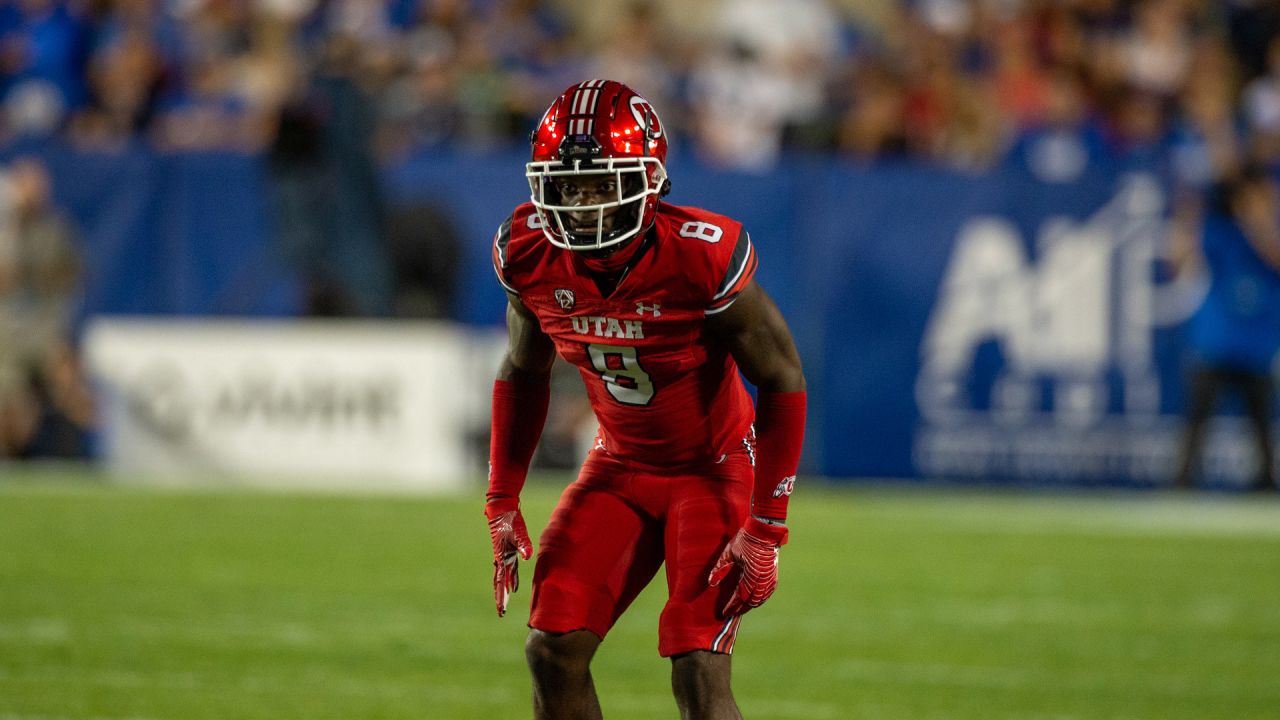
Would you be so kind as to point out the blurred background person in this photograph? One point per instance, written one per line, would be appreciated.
(1236, 332)
(327, 203)
(425, 251)
(1260, 105)
(43, 45)
(643, 52)
(763, 81)
(45, 405)
(133, 60)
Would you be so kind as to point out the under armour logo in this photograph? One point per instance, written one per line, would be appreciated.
(785, 487)
(641, 309)
(565, 298)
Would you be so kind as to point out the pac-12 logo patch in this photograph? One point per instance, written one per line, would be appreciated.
(565, 298)
(785, 487)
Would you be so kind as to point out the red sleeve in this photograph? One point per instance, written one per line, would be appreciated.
(738, 274)
(519, 412)
(779, 438)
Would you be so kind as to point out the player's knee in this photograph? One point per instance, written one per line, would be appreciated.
(559, 655)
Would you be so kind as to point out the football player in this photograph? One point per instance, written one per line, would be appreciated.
(657, 306)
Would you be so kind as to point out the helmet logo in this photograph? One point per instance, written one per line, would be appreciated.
(645, 117)
(564, 296)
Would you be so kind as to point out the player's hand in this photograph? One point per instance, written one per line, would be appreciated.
(510, 541)
(753, 551)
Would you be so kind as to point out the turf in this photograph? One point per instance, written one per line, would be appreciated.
(894, 603)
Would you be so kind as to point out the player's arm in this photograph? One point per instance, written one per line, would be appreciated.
(521, 393)
(761, 343)
(530, 351)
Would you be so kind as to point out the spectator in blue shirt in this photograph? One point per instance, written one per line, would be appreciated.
(1235, 333)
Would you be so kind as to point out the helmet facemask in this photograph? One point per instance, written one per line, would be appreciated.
(637, 184)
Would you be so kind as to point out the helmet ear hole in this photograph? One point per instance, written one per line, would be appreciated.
(666, 188)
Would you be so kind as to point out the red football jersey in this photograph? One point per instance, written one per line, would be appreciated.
(663, 393)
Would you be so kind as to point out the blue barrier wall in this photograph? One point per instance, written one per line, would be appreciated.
(171, 234)
(989, 326)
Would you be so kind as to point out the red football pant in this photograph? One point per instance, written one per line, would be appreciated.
(617, 524)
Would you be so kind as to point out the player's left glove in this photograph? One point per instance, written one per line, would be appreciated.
(510, 543)
(754, 551)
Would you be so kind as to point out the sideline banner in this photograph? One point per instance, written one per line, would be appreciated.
(1015, 332)
(316, 404)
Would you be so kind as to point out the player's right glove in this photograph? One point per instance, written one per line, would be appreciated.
(754, 551)
(510, 541)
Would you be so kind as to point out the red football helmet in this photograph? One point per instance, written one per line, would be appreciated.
(598, 129)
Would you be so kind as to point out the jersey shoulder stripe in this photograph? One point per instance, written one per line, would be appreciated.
(519, 248)
(739, 261)
(501, 247)
(738, 274)
(713, 253)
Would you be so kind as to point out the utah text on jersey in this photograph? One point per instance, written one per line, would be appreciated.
(607, 327)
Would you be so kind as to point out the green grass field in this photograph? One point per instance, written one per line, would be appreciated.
(894, 603)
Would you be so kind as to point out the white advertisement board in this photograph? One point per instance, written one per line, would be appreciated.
(315, 404)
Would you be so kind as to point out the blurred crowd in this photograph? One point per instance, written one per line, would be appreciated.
(957, 82)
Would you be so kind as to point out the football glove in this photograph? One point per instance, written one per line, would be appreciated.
(510, 541)
(754, 552)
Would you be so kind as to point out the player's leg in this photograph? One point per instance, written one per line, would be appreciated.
(700, 682)
(598, 551)
(705, 511)
(1204, 384)
(1256, 389)
(561, 667)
